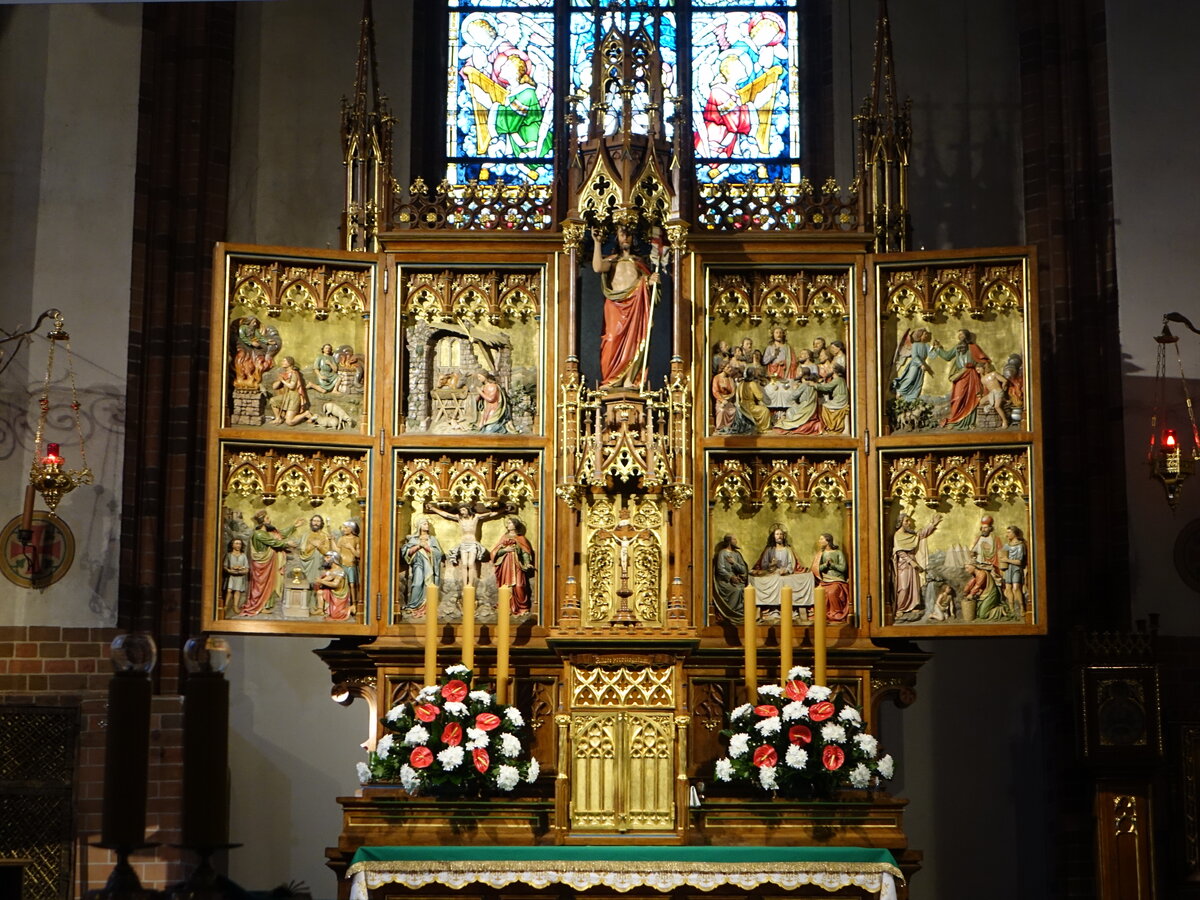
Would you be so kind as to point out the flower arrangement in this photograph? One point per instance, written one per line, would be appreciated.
(801, 741)
(452, 741)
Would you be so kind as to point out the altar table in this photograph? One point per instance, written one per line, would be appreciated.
(624, 868)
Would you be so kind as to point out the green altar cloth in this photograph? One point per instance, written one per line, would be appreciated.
(624, 867)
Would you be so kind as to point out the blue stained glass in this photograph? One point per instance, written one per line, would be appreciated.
(743, 104)
(582, 50)
(501, 89)
(760, 4)
(510, 4)
(501, 172)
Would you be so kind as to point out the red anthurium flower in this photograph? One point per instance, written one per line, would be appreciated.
(833, 757)
(454, 691)
(420, 758)
(795, 690)
(800, 735)
(819, 712)
(426, 712)
(482, 761)
(766, 710)
(487, 721)
(452, 734)
(765, 756)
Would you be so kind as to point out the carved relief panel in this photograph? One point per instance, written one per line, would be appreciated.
(298, 344)
(959, 539)
(780, 354)
(470, 351)
(785, 520)
(290, 547)
(954, 347)
(462, 520)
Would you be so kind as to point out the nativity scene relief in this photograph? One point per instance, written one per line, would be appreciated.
(472, 351)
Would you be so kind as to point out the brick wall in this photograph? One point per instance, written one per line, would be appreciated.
(51, 666)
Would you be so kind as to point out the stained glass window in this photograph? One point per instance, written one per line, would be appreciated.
(501, 95)
(738, 89)
(745, 114)
(588, 26)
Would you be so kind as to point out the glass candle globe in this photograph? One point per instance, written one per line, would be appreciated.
(134, 653)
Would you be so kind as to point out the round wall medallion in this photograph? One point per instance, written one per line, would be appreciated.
(1187, 554)
(45, 559)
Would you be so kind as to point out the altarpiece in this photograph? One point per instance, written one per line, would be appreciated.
(624, 369)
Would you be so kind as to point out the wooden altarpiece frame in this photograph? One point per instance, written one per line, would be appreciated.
(406, 345)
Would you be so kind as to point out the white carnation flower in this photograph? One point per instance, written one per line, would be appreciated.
(886, 765)
(818, 692)
(510, 745)
(507, 777)
(429, 692)
(801, 673)
(740, 712)
(766, 777)
(476, 737)
(769, 725)
(384, 747)
(724, 769)
(860, 776)
(416, 735)
(409, 779)
(514, 715)
(795, 710)
(451, 758)
(396, 712)
(480, 696)
(796, 756)
(849, 714)
(772, 690)
(534, 769)
(867, 744)
(833, 733)
(456, 709)
(457, 669)
(364, 772)
(738, 745)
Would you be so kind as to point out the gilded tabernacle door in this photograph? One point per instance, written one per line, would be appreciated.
(621, 748)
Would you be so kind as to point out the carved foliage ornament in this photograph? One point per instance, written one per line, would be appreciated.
(933, 292)
(797, 481)
(319, 290)
(467, 481)
(498, 298)
(475, 206)
(781, 298)
(958, 478)
(314, 476)
(778, 206)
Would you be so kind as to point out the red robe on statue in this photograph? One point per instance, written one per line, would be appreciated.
(626, 323)
(967, 382)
